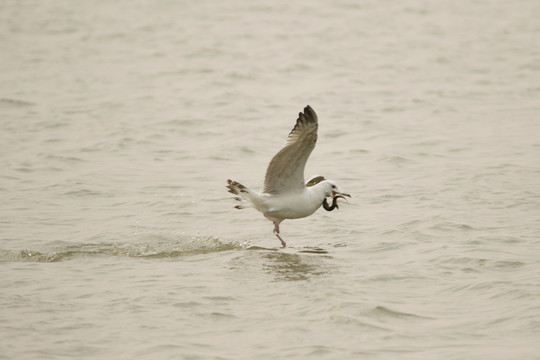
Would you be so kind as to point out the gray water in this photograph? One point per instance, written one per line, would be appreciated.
(120, 122)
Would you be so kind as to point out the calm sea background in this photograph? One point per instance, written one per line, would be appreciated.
(120, 122)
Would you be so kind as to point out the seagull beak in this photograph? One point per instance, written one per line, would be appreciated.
(340, 195)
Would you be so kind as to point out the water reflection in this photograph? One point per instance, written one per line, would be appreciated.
(297, 266)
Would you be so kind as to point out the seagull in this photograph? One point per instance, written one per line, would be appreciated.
(285, 195)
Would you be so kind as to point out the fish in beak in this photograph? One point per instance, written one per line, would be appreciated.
(335, 195)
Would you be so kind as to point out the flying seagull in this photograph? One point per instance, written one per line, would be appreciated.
(285, 195)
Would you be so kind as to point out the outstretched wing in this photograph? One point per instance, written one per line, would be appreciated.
(285, 172)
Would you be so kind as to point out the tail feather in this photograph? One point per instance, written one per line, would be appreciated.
(241, 191)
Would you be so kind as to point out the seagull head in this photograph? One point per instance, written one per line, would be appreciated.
(333, 191)
(325, 187)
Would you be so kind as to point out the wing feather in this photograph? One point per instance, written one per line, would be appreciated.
(285, 172)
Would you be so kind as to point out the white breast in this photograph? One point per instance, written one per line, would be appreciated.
(293, 205)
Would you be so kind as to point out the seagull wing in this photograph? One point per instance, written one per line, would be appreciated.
(285, 172)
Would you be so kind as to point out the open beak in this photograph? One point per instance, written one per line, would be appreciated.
(338, 195)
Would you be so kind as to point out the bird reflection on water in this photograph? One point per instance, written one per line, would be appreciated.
(297, 266)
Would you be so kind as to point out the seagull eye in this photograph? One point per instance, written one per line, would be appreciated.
(333, 186)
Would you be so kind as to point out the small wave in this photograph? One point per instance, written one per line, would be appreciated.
(83, 193)
(15, 102)
(452, 226)
(382, 312)
(395, 159)
(65, 159)
(159, 250)
(476, 264)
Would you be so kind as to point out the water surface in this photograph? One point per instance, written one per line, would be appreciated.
(121, 121)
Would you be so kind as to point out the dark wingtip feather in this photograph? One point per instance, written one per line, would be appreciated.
(308, 110)
(308, 116)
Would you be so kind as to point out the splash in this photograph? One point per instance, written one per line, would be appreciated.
(160, 249)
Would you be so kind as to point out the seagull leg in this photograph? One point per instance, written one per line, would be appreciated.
(276, 229)
(276, 232)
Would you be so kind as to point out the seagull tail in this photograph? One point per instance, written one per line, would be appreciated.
(242, 193)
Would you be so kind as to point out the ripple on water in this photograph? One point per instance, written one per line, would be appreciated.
(478, 264)
(383, 314)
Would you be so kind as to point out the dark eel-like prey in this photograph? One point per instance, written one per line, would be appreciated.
(334, 203)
